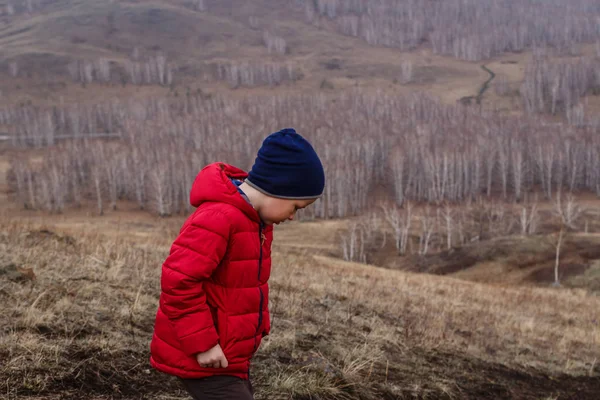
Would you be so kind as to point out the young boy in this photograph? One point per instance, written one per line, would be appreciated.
(213, 309)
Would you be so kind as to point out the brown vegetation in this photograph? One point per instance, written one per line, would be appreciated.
(535, 243)
(81, 310)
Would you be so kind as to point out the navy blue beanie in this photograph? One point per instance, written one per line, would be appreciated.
(287, 167)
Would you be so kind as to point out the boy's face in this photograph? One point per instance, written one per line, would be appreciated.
(275, 211)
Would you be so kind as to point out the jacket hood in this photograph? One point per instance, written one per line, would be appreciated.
(213, 184)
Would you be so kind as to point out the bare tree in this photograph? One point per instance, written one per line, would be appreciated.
(44, 194)
(372, 224)
(274, 44)
(247, 74)
(112, 172)
(20, 171)
(503, 167)
(407, 71)
(545, 158)
(103, 70)
(30, 189)
(518, 168)
(428, 223)
(500, 222)
(353, 244)
(98, 186)
(75, 170)
(559, 242)
(567, 210)
(448, 217)
(161, 201)
(155, 70)
(58, 189)
(400, 222)
(139, 175)
(528, 219)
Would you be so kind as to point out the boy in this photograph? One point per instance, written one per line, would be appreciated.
(213, 309)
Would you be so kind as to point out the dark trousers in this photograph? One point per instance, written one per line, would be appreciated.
(219, 387)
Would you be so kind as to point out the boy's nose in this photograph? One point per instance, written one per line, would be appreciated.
(291, 217)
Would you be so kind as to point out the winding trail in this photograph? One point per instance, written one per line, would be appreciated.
(486, 84)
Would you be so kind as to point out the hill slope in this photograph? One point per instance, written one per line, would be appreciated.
(339, 330)
(42, 44)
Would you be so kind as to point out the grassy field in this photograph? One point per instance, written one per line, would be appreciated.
(80, 296)
(43, 43)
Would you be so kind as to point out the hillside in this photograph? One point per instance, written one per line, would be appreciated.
(81, 305)
(43, 50)
(458, 138)
(46, 44)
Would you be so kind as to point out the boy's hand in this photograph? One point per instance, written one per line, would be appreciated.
(213, 358)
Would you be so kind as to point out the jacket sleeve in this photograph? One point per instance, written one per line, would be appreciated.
(194, 255)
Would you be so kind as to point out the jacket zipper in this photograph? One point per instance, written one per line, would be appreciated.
(261, 240)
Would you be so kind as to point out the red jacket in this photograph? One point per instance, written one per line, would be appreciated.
(214, 281)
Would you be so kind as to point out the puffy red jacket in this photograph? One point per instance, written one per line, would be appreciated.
(214, 281)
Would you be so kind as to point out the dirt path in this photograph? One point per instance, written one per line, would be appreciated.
(484, 87)
(486, 84)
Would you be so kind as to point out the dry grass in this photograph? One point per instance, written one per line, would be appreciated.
(340, 330)
(80, 31)
(44, 43)
(493, 252)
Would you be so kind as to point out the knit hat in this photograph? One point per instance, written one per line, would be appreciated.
(287, 167)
